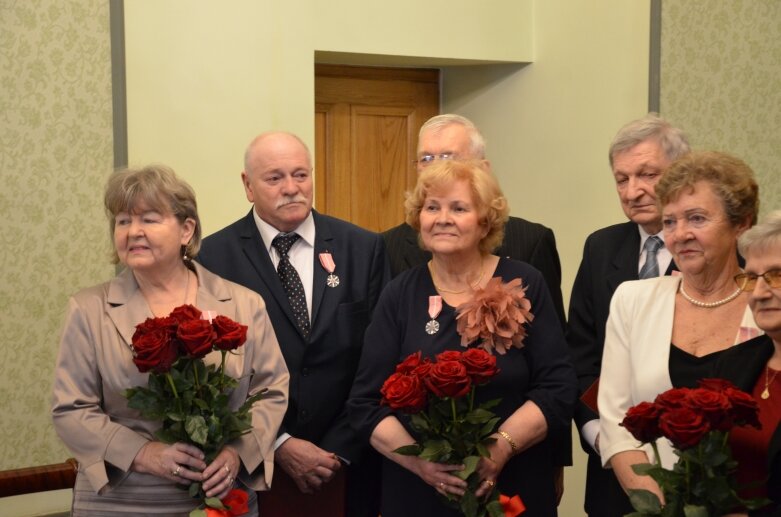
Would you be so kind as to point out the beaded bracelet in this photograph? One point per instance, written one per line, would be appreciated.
(506, 436)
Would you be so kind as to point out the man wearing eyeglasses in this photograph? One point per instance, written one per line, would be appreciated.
(453, 137)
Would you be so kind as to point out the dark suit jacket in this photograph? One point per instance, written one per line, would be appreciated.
(321, 367)
(610, 257)
(524, 240)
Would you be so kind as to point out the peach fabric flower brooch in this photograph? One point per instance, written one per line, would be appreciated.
(497, 316)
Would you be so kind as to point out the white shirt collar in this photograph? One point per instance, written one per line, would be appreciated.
(644, 236)
(306, 230)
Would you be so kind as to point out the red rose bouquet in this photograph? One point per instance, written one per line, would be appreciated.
(188, 396)
(697, 422)
(440, 397)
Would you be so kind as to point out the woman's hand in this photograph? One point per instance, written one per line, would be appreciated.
(488, 469)
(389, 435)
(179, 462)
(439, 476)
(622, 467)
(219, 476)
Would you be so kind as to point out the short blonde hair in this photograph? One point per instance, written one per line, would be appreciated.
(157, 187)
(490, 203)
(732, 180)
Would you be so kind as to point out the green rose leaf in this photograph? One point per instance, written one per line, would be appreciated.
(213, 502)
(470, 464)
(409, 450)
(196, 429)
(644, 501)
(691, 510)
(479, 416)
(469, 504)
(435, 450)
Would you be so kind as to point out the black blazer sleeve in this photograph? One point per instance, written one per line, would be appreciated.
(535, 244)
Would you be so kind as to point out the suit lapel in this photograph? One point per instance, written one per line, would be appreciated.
(324, 242)
(413, 255)
(626, 258)
(127, 306)
(255, 250)
(213, 294)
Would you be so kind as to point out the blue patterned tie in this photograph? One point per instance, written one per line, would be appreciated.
(291, 282)
(651, 267)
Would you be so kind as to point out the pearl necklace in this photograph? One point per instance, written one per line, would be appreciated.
(708, 305)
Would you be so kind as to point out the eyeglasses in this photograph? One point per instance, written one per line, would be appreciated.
(747, 281)
(428, 159)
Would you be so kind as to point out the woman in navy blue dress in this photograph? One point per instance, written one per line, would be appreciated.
(460, 212)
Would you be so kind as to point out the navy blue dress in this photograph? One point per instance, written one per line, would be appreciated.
(540, 371)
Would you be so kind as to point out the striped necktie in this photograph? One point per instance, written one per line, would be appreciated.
(651, 267)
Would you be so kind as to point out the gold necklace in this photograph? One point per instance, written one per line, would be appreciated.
(440, 289)
(766, 392)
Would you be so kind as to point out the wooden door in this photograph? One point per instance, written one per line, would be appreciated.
(366, 129)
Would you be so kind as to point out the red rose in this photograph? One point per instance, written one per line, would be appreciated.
(184, 313)
(153, 324)
(449, 355)
(230, 334)
(196, 337)
(422, 370)
(153, 348)
(216, 512)
(448, 379)
(642, 421)
(716, 384)
(236, 502)
(744, 409)
(511, 506)
(714, 406)
(673, 398)
(404, 392)
(409, 363)
(480, 365)
(684, 427)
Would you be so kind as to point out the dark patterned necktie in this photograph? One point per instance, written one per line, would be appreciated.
(291, 281)
(651, 267)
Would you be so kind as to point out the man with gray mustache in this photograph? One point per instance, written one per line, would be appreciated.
(320, 278)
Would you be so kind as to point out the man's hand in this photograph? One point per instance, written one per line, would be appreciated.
(308, 465)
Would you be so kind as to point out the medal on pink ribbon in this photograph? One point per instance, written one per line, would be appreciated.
(327, 261)
(434, 308)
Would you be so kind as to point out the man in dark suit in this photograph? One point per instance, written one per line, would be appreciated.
(320, 278)
(455, 137)
(638, 155)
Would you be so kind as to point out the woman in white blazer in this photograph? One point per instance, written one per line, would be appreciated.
(669, 331)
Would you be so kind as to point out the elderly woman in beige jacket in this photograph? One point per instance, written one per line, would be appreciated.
(122, 468)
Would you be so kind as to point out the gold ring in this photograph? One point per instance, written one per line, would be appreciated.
(491, 483)
(177, 471)
(441, 485)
